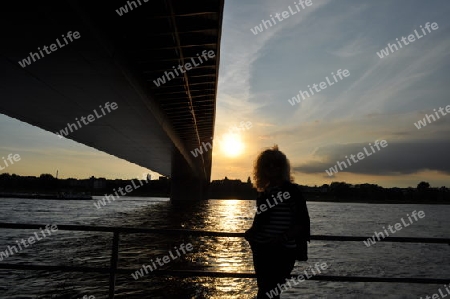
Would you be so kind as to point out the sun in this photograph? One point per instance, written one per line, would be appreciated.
(231, 144)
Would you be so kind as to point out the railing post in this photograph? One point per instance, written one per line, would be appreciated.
(114, 262)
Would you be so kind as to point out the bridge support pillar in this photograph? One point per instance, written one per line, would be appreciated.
(185, 184)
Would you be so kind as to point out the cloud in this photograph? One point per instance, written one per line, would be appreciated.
(395, 159)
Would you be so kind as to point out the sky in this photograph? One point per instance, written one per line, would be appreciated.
(379, 99)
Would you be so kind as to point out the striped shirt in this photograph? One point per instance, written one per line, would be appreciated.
(275, 219)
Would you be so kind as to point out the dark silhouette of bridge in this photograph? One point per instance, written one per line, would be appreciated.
(65, 66)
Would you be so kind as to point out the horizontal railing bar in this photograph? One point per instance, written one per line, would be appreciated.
(193, 273)
(122, 229)
(55, 268)
(380, 279)
(387, 239)
(215, 233)
(197, 273)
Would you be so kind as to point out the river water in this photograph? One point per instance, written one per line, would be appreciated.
(214, 253)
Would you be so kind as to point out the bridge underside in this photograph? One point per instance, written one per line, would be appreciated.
(116, 59)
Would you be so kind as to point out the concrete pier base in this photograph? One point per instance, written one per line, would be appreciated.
(186, 185)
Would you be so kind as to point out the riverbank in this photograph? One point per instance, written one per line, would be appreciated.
(52, 196)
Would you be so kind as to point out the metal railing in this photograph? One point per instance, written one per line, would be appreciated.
(113, 270)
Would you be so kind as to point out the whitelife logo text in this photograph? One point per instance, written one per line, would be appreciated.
(360, 156)
(281, 16)
(393, 229)
(431, 118)
(184, 68)
(31, 240)
(128, 189)
(87, 120)
(319, 87)
(411, 38)
(48, 50)
(11, 158)
(162, 261)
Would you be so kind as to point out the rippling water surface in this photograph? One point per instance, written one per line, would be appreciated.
(213, 253)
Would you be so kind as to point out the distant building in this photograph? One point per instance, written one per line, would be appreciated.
(231, 189)
(100, 183)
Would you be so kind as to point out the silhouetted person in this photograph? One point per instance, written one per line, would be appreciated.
(281, 224)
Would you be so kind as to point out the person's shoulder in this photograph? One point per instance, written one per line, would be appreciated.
(294, 189)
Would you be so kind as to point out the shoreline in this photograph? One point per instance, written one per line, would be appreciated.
(330, 200)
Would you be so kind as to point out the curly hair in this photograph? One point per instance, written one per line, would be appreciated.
(271, 166)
